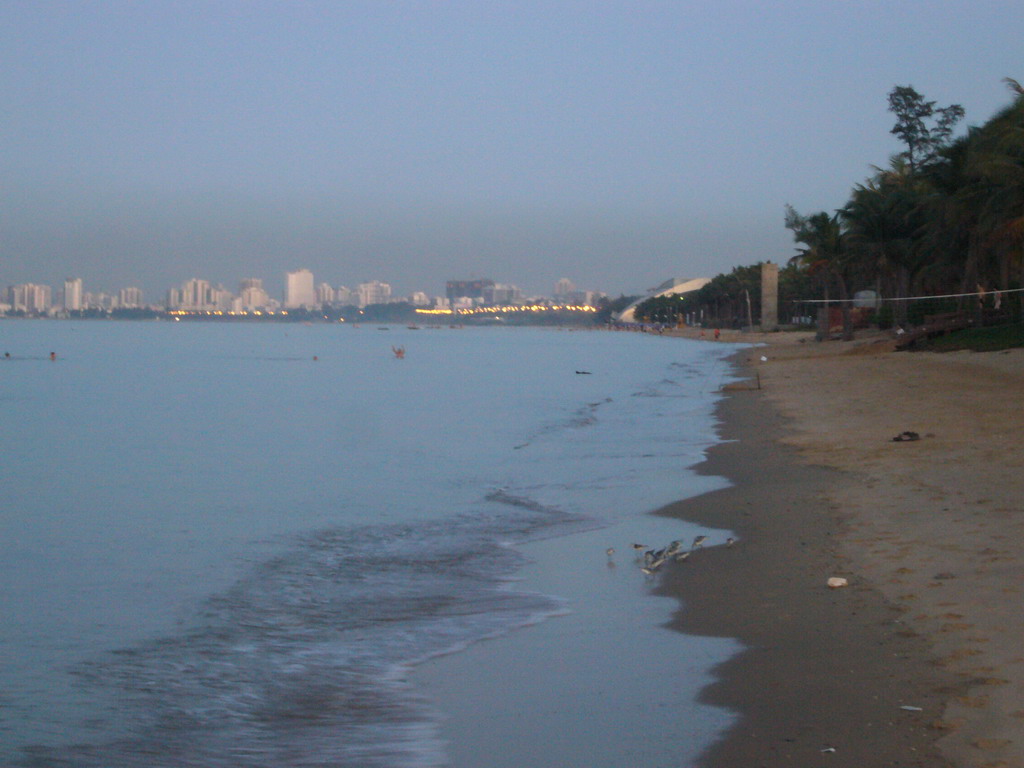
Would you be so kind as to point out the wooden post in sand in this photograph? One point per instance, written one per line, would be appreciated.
(769, 296)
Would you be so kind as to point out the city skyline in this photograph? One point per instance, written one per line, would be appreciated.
(301, 291)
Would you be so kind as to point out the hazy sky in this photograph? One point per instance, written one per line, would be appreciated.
(614, 143)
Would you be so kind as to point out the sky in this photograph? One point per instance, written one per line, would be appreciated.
(614, 143)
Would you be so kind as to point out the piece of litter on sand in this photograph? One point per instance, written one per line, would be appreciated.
(828, 749)
(835, 582)
(764, 359)
(909, 708)
(906, 437)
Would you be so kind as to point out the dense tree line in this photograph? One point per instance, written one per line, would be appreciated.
(946, 216)
(730, 300)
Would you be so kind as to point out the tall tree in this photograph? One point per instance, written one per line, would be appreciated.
(924, 128)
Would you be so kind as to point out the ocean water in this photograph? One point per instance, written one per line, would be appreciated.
(225, 545)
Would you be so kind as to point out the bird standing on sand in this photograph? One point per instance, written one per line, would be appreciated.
(653, 565)
(682, 556)
(699, 542)
(730, 541)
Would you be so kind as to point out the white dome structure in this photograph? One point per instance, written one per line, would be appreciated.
(677, 285)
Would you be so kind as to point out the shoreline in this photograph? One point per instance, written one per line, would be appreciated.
(823, 669)
(915, 663)
(923, 531)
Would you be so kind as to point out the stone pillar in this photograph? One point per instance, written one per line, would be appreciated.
(769, 296)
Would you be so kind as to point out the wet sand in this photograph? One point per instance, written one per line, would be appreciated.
(918, 661)
(607, 685)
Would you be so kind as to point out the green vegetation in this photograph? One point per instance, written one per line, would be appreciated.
(945, 216)
(723, 302)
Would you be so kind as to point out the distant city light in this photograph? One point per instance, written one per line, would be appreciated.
(510, 309)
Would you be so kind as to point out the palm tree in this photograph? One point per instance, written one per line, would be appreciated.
(881, 220)
(824, 255)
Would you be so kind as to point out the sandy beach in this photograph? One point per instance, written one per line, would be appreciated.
(918, 661)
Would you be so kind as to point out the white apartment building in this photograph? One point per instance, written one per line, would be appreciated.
(221, 298)
(253, 297)
(129, 298)
(194, 294)
(500, 293)
(373, 292)
(29, 297)
(324, 295)
(73, 294)
(345, 297)
(298, 289)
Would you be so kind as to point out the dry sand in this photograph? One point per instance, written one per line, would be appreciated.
(920, 661)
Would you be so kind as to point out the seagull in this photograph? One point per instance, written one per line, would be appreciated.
(653, 565)
(699, 542)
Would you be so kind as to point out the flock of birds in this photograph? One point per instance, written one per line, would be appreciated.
(653, 559)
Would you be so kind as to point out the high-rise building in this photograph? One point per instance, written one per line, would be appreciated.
(252, 296)
(29, 297)
(298, 289)
(564, 287)
(344, 297)
(73, 294)
(500, 293)
(324, 295)
(374, 292)
(98, 300)
(249, 282)
(194, 294)
(221, 298)
(129, 298)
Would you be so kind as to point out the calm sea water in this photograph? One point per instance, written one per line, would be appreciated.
(223, 544)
